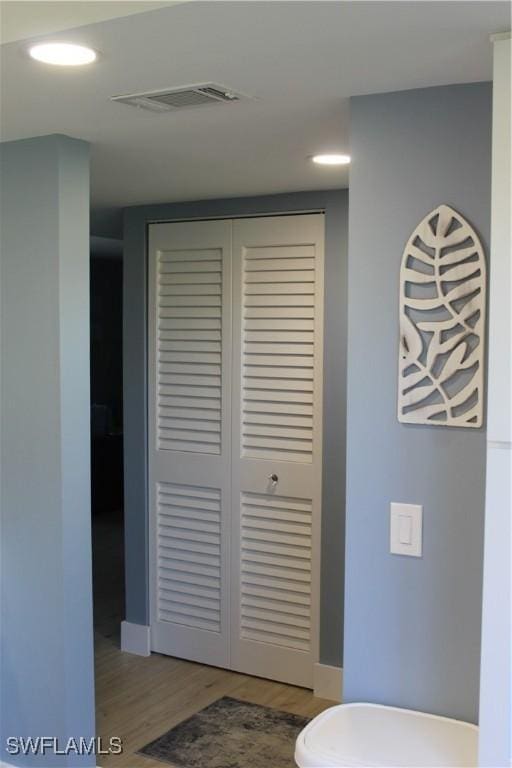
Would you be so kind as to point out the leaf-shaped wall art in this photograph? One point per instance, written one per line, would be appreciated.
(442, 323)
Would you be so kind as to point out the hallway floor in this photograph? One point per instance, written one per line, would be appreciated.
(138, 698)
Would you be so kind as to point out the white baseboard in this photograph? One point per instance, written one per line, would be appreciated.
(327, 682)
(135, 638)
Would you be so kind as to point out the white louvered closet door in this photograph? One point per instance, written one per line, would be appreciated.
(189, 375)
(277, 430)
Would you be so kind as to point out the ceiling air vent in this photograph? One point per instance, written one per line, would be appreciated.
(171, 99)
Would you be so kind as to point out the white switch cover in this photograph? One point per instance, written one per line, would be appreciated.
(406, 529)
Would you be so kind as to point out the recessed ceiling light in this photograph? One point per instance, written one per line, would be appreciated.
(331, 159)
(62, 54)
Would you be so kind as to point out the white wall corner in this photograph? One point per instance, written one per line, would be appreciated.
(135, 638)
(495, 717)
(328, 682)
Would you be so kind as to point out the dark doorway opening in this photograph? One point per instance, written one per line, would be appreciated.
(106, 280)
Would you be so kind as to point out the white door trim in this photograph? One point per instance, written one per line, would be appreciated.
(236, 216)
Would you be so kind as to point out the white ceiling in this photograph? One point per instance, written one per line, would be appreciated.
(300, 61)
(25, 19)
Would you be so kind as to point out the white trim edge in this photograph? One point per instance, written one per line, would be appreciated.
(501, 444)
(327, 682)
(495, 38)
(135, 638)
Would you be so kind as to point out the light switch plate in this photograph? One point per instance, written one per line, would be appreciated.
(406, 523)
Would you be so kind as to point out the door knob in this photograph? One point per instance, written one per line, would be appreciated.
(273, 478)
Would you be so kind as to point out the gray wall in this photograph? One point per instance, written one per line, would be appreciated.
(135, 393)
(46, 606)
(107, 222)
(412, 626)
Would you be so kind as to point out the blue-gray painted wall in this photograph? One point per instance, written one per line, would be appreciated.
(412, 626)
(335, 204)
(107, 222)
(46, 659)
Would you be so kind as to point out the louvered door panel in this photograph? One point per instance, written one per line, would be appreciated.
(278, 316)
(277, 425)
(189, 556)
(275, 556)
(189, 351)
(189, 438)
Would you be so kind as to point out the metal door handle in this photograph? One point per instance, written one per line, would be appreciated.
(273, 478)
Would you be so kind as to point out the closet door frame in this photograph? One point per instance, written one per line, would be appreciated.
(316, 573)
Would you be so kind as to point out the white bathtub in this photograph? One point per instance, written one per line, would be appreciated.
(375, 736)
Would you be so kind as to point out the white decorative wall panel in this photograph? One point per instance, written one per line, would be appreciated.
(442, 323)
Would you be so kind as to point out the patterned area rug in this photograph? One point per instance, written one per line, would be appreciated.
(230, 734)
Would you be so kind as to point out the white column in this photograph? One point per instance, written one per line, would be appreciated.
(495, 747)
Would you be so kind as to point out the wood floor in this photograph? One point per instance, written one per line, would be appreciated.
(139, 699)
